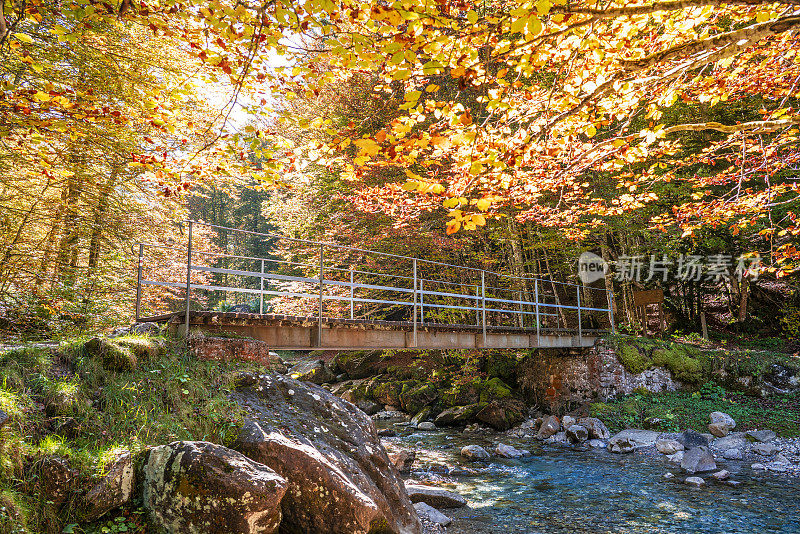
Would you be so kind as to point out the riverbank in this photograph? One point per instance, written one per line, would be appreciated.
(561, 489)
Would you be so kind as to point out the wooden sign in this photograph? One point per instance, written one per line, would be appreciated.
(643, 298)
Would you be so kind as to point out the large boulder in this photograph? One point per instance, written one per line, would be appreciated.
(596, 428)
(509, 451)
(698, 460)
(549, 427)
(474, 452)
(691, 439)
(340, 478)
(501, 415)
(111, 491)
(761, 436)
(314, 371)
(457, 415)
(194, 487)
(403, 460)
(721, 424)
(632, 438)
(414, 399)
(734, 440)
(668, 446)
(577, 434)
(436, 497)
(360, 364)
(58, 479)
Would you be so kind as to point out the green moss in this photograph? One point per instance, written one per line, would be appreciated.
(494, 389)
(112, 356)
(143, 347)
(633, 359)
(414, 398)
(502, 364)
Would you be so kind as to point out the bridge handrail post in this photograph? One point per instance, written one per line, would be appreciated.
(321, 289)
(139, 283)
(538, 321)
(483, 305)
(415, 302)
(188, 279)
(421, 301)
(610, 294)
(352, 315)
(580, 333)
(261, 294)
(477, 307)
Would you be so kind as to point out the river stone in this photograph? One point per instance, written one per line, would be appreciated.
(195, 486)
(698, 460)
(734, 440)
(340, 479)
(760, 435)
(721, 475)
(667, 476)
(676, 458)
(732, 454)
(549, 427)
(474, 452)
(597, 429)
(695, 481)
(597, 443)
(668, 446)
(314, 371)
(425, 414)
(567, 421)
(577, 434)
(433, 496)
(632, 438)
(721, 424)
(368, 407)
(112, 491)
(507, 451)
(691, 439)
(426, 425)
(758, 466)
(432, 514)
(403, 460)
(764, 449)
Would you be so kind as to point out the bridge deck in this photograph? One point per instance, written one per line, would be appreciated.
(303, 333)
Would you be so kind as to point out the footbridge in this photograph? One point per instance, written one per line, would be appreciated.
(310, 295)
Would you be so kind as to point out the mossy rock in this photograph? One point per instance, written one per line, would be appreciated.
(61, 397)
(388, 393)
(143, 347)
(413, 399)
(503, 365)
(494, 389)
(400, 372)
(462, 394)
(112, 356)
(501, 415)
(633, 358)
(359, 364)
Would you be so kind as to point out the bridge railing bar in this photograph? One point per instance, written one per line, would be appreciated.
(488, 298)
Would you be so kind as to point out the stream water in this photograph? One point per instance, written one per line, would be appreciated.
(559, 490)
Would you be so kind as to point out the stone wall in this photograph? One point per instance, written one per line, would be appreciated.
(560, 381)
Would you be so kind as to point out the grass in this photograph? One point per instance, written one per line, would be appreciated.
(679, 410)
(112, 395)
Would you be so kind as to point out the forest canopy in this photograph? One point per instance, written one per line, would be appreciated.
(666, 127)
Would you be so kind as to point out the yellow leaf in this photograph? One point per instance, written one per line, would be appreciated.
(483, 204)
(453, 227)
(23, 38)
(479, 219)
(410, 186)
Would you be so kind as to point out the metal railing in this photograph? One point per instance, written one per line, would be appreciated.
(359, 283)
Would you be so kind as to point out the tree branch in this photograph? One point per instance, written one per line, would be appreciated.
(669, 5)
(751, 127)
(734, 41)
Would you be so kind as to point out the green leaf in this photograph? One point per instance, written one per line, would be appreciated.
(23, 38)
